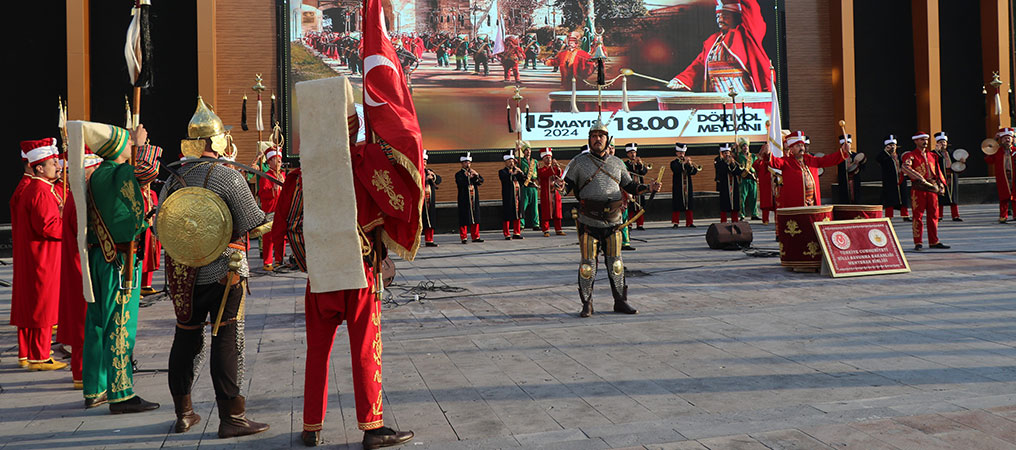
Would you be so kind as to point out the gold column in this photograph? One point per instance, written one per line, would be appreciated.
(78, 74)
(844, 74)
(996, 57)
(927, 65)
(206, 51)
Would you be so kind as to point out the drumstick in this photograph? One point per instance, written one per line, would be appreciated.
(843, 124)
(629, 72)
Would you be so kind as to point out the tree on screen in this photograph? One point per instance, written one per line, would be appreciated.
(574, 10)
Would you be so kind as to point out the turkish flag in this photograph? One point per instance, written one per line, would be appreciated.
(391, 117)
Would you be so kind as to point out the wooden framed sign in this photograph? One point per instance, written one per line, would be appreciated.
(853, 248)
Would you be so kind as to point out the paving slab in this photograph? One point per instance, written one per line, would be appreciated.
(484, 350)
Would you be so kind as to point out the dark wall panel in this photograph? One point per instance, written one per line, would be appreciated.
(886, 96)
(37, 77)
(167, 106)
(963, 104)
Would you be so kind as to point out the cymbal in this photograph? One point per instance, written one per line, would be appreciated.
(989, 146)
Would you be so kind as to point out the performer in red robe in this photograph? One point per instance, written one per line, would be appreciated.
(800, 171)
(921, 165)
(18, 252)
(572, 62)
(766, 199)
(1004, 162)
(550, 198)
(72, 301)
(39, 231)
(146, 171)
(733, 57)
(272, 245)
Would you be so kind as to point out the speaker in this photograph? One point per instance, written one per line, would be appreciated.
(729, 236)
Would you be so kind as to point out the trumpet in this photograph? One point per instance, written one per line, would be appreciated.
(649, 166)
(687, 160)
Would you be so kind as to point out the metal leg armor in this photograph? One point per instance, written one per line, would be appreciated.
(615, 273)
(588, 245)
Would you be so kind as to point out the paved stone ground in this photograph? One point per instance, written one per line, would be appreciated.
(729, 351)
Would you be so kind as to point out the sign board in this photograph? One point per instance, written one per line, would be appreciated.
(853, 248)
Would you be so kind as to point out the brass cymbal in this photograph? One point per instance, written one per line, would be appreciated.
(989, 146)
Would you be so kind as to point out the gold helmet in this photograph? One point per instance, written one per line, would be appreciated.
(204, 124)
(599, 126)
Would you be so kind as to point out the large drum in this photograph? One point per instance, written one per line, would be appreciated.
(677, 100)
(851, 212)
(799, 247)
(560, 101)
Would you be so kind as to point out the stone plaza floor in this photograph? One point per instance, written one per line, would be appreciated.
(483, 349)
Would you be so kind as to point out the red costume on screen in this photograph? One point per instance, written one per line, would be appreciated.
(744, 42)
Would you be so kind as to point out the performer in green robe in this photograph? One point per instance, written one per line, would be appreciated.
(748, 187)
(529, 191)
(115, 219)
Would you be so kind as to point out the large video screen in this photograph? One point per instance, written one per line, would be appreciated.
(689, 70)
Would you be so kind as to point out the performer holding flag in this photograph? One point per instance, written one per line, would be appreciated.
(387, 192)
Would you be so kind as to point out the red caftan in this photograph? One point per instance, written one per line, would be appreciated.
(743, 43)
(39, 231)
(800, 178)
(271, 248)
(153, 248)
(19, 258)
(919, 164)
(1004, 161)
(550, 198)
(766, 201)
(72, 300)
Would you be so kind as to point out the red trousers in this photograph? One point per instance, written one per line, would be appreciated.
(475, 228)
(146, 279)
(268, 245)
(953, 208)
(925, 202)
(903, 212)
(734, 216)
(428, 235)
(34, 344)
(545, 225)
(515, 225)
(640, 221)
(1003, 209)
(361, 311)
(765, 216)
(689, 217)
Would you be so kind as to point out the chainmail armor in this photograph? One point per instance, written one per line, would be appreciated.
(584, 170)
(230, 185)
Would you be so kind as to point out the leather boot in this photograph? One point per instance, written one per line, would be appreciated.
(384, 437)
(621, 303)
(310, 438)
(587, 308)
(185, 415)
(233, 421)
(135, 405)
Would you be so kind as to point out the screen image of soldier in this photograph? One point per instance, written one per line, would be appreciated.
(598, 181)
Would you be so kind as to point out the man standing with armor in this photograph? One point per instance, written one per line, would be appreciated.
(597, 179)
(199, 292)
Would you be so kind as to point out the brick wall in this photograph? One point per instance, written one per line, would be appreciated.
(810, 71)
(245, 40)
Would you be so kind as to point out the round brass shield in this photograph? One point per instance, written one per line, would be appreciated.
(194, 226)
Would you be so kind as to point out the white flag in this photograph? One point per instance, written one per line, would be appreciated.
(775, 125)
(499, 39)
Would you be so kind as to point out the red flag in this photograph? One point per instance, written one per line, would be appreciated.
(391, 116)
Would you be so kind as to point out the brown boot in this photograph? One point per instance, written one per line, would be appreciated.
(233, 421)
(185, 415)
(587, 309)
(384, 437)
